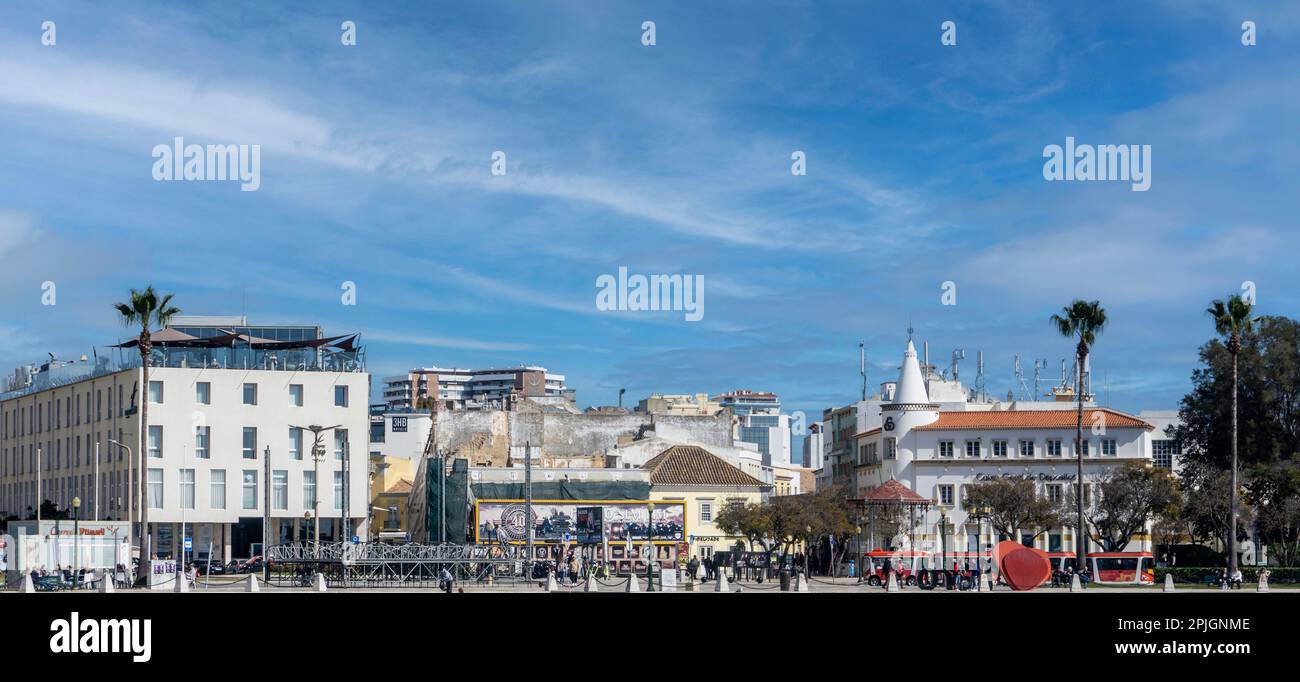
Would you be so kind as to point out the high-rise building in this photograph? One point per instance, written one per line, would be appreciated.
(759, 421)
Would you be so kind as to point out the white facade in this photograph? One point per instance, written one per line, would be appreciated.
(210, 432)
(405, 434)
(471, 387)
(937, 450)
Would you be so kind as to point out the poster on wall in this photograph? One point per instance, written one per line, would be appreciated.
(585, 522)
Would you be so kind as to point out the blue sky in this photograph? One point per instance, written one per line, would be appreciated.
(924, 166)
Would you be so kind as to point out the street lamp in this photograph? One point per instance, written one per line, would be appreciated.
(861, 558)
(76, 541)
(649, 546)
(979, 514)
(317, 454)
(131, 508)
(943, 538)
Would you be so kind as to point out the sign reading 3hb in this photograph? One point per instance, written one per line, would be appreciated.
(399, 424)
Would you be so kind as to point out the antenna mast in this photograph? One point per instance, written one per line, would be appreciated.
(862, 366)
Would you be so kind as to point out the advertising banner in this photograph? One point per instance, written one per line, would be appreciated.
(586, 522)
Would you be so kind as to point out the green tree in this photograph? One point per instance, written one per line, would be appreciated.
(1130, 497)
(751, 521)
(1014, 506)
(1081, 320)
(145, 309)
(1274, 492)
(1232, 319)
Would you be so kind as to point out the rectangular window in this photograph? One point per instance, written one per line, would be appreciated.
(972, 448)
(280, 489)
(217, 488)
(1108, 447)
(156, 392)
(203, 393)
(1054, 493)
(295, 395)
(338, 489)
(187, 488)
(309, 489)
(155, 441)
(999, 448)
(155, 488)
(340, 440)
(706, 512)
(250, 442)
(891, 448)
(1162, 453)
(1087, 493)
(1026, 448)
(295, 442)
(945, 494)
(202, 436)
(1083, 448)
(340, 396)
(1054, 447)
(945, 448)
(250, 488)
(250, 394)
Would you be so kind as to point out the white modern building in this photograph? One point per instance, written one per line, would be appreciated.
(936, 441)
(471, 388)
(228, 430)
(759, 421)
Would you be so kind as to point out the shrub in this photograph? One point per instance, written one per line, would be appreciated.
(1249, 574)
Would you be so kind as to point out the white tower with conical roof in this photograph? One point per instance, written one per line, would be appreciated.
(910, 408)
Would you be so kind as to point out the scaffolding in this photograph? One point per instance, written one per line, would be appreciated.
(345, 564)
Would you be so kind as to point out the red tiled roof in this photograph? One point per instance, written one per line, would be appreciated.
(893, 491)
(1032, 419)
(692, 465)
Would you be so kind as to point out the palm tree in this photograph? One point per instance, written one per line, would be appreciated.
(1232, 320)
(1083, 320)
(145, 309)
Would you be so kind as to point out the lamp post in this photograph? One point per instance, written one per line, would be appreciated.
(649, 547)
(130, 511)
(76, 541)
(943, 538)
(317, 454)
(861, 558)
(979, 514)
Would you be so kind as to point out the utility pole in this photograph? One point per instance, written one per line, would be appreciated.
(317, 454)
(266, 514)
(347, 516)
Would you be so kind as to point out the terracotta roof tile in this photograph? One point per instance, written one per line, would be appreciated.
(692, 465)
(401, 487)
(1031, 419)
(893, 491)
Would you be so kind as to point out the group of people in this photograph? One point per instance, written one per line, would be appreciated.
(1230, 581)
(1065, 577)
(64, 573)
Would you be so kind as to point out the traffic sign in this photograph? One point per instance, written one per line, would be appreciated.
(356, 539)
(189, 544)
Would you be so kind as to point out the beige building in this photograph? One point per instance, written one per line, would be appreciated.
(707, 484)
(698, 405)
(390, 492)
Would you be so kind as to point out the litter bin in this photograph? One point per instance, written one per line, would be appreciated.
(785, 580)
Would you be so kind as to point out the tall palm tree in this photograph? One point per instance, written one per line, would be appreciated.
(1082, 320)
(1232, 320)
(145, 309)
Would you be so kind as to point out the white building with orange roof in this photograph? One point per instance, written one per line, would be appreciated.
(937, 449)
